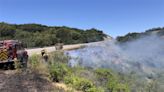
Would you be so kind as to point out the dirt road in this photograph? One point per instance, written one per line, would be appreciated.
(65, 47)
(52, 48)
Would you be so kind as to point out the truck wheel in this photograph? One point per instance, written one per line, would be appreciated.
(11, 65)
(5, 66)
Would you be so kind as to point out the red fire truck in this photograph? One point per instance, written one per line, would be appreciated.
(12, 51)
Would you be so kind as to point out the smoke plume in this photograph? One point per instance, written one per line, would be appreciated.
(145, 54)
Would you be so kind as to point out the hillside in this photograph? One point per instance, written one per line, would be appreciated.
(132, 36)
(37, 35)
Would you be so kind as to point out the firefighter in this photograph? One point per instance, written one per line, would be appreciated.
(44, 55)
(43, 52)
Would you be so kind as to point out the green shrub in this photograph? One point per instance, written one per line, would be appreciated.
(101, 72)
(58, 56)
(58, 66)
(57, 71)
(111, 80)
(114, 85)
(79, 83)
(103, 76)
(34, 61)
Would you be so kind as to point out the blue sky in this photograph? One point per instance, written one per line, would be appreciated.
(114, 17)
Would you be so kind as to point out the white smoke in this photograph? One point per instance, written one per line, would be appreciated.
(145, 54)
